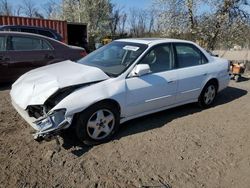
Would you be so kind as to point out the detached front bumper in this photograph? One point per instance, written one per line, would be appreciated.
(48, 126)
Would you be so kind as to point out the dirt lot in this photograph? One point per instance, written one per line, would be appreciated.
(182, 147)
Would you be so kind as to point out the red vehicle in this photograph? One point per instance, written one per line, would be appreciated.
(21, 52)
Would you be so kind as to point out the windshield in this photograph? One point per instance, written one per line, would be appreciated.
(115, 57)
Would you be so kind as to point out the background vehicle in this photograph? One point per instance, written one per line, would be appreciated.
(36, 30)
(21, 52)
(72, 33)
(123, 80)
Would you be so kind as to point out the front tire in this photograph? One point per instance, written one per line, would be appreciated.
(97, 124)
(208, 95)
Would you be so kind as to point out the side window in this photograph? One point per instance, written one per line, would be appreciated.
(159, 58)
(46, 33)
(2, 44)
(25, 43)
(188, 55)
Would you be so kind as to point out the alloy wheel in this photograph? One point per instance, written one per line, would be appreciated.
(100, 124)
(209, 94)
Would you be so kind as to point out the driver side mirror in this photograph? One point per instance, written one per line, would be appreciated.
(140, 70)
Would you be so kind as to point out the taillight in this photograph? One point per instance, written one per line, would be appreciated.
(83, 53)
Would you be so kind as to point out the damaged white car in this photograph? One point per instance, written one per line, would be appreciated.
(123, 80)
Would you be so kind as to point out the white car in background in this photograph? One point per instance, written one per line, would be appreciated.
(123, 80)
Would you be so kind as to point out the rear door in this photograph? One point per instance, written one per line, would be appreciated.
(28, 52)
(192, 66)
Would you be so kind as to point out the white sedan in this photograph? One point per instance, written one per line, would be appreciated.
(123, 80)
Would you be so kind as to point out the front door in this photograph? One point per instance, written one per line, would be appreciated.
(157, 89)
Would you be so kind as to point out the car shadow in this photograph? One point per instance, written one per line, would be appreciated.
(160, 119)
(70, 142)
(242, 78)
(152, 121)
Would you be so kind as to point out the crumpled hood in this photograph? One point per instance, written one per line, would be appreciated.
(36, 86)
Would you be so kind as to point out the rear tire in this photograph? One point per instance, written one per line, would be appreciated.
(97, 124)
(208, 94)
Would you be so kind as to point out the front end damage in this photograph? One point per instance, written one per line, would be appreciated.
(37, 94)
(47, 122)
(44, 119)
(48, 125)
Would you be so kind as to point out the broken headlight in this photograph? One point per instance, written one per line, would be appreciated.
(52, 120)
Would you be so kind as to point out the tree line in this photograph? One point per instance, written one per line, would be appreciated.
(211, 23)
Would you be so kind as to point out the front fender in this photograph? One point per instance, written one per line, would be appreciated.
(82, 98)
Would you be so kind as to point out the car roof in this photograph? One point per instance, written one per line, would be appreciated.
(29, 27)
(23, 34)
(29, 34)
(152, 41)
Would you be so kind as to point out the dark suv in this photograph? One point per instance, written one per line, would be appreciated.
(36, 30)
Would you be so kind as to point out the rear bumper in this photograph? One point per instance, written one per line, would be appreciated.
(224, 82)
(46, 127)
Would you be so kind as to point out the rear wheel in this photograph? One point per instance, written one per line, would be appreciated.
(97, 124)
(208, 94)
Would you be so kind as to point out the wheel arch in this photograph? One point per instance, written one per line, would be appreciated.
(107, 101)
(211, 80)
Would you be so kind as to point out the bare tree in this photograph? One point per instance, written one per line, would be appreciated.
(141, 22)
(115, 17)
(52, 9)
(5, 8)
(29, 8)
(122, 23)
(18, 10)
(151, 17)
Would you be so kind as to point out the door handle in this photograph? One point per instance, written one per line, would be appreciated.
(205, 74)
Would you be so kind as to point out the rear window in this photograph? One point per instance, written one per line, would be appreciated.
(28, 43)
(46, 33)
(28, 30)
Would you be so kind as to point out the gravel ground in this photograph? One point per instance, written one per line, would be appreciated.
(181, 147)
